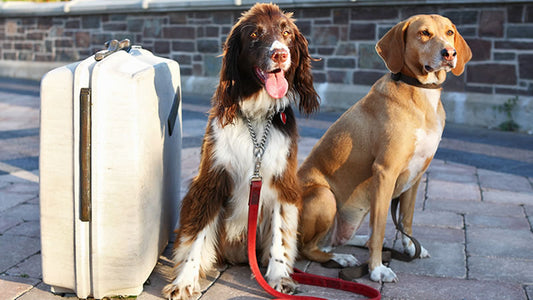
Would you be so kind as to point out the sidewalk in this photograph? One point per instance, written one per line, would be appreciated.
(474, 213)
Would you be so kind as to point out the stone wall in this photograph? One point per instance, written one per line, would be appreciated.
(343, 37)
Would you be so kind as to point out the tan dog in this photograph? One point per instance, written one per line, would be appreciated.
(380, 147)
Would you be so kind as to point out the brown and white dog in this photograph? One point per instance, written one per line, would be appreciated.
(380, 147)
(266, 66)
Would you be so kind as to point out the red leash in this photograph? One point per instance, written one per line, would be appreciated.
(299, 276)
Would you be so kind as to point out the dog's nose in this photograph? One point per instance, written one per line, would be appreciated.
(448, 53)
(279, 55)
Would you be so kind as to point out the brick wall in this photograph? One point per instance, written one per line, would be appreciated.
(500, 35)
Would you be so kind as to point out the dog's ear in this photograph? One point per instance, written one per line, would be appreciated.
(303, 77)
(391, 47)
(464, 54)
(226, 94)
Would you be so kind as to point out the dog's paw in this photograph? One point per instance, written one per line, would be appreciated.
(284, 285)
(424, 253)
(345, 260)
(410, 249)
(180, 292)
(383, 274)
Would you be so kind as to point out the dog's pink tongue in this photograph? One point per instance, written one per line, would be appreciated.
(276, 84)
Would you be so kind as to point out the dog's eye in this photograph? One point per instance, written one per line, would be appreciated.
(450, 32)
(254, 35)
(426, 33)
(286, 33)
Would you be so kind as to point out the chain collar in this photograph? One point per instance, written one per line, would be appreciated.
(259, 147)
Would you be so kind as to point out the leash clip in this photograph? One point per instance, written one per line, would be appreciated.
(256, 178)
(257, 167)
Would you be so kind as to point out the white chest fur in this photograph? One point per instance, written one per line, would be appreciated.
(426, 140)
(234, 152)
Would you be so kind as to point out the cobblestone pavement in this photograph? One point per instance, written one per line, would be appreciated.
(474, 213)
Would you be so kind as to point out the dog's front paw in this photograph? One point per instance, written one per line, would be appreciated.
(345, 260)
(180, 291)
(410, 249)
(383, 274)
(284, 285)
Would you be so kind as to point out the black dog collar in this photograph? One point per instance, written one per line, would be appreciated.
(413, 81)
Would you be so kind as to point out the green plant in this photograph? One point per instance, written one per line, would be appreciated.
(507, 107)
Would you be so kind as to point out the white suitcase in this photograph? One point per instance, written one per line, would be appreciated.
(109, 175)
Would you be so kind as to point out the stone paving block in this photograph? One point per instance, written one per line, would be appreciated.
(509, 197)
(7, 221)
(25, 175)
(236, 282)
(17, 148)
(390, 230)
(503, 181)
(194, 127)
(15, 249)
(24, 188)
(12, 287)
(4, 184)
(305, 145)
(516, 223)
(160, 278)
(23, 212)
(439, 189)
(11, 116)
(30, 267)
(316, 268)
(438, 234)
(453, 173)
(438, 219)
(416, 287)
(456, 166)
(163, 275)
(485, 208)
(529, 210)
(12, 178)
(29, 229)
(441, 166)
(325, 293)
(436, 163)
(529, 291)
(499, 242)
(447, 260)
(42, 292)
(190, 160)
(454, 177)
(500, 268)
(33, 201)
(9, 200)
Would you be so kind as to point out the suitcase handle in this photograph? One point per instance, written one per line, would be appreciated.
(112, 47)
(85, 154)
(173, 115)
